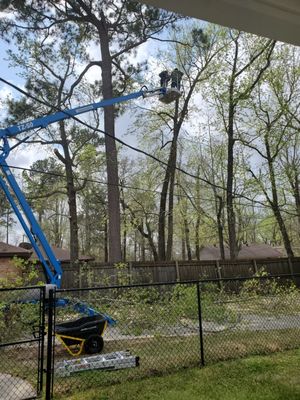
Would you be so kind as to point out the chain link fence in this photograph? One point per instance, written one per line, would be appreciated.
(168, 327)
(246, 317)
(21, 345)
(139, 331)
(154, 327)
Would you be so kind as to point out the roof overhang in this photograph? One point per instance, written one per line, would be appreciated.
(275, 19)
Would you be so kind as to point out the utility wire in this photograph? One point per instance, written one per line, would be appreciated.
(265, 206)
(124, 186)
(126, 144)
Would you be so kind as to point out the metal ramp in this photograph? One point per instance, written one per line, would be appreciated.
(109, 361)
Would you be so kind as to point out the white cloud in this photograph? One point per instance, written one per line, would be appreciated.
(94, 73)
(5, 94)
(94, 51)
(23, 156)
(26, 154)
(5, 14)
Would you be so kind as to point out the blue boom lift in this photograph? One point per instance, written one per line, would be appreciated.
(73, 333)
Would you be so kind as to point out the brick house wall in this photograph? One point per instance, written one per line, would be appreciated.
(8, 269)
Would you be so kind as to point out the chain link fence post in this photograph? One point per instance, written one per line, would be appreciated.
(41, 333)
(202, 361)
(49, 368)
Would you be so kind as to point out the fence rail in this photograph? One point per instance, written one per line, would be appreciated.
(91, 274)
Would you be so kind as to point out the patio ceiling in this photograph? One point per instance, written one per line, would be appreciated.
(275, 19)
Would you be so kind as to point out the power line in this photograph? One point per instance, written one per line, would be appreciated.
(91, 180)
(206, 181)
(265, 206)
(106, 183)
(244, 230)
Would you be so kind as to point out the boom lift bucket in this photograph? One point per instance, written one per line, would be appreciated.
(169, 95)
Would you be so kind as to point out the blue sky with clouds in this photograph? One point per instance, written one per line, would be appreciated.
(6, 71)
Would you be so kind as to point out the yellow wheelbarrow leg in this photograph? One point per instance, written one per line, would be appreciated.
(69, 341)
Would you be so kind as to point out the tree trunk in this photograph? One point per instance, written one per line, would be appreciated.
(124, 243)
(297, 196)
(114, 219)
(294, 182)
(135, 246)
(87, 227)
(229, 187)
(197, 238)
(143, 251)
(168, 183)
(71, 192)
(57, 236)
(275, 203)
(173, 160)
(284, 233)
(105, 241)
(198, 219)
(187, 239)
(183, 255)
(161, 217)
(220, 207)
(151, 241)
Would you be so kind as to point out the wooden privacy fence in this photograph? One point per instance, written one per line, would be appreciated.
(99, 274)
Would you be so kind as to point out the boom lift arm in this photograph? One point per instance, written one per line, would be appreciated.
(51, 266)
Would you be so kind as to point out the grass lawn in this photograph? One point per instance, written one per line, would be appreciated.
(273, 377)
(164, 355)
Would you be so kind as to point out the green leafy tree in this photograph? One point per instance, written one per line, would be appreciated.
(92, 214)
(116, 29)
(46, 181)
(241, 67)
(48, 68)
(269, 138)
(192, 51)
(6, 216)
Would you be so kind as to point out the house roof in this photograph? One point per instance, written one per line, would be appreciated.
(251, 251)
(62, 255)
(275, 19)
(7, 250)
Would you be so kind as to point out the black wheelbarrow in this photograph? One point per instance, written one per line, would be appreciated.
(83, 334)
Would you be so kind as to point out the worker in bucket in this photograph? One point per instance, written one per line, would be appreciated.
(164, 78)
(176, 76)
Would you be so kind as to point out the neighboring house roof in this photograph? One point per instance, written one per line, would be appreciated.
(62, 255)
(7, 250)
(251, 251)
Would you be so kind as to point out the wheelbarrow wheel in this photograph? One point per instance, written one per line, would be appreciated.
(93, 344)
